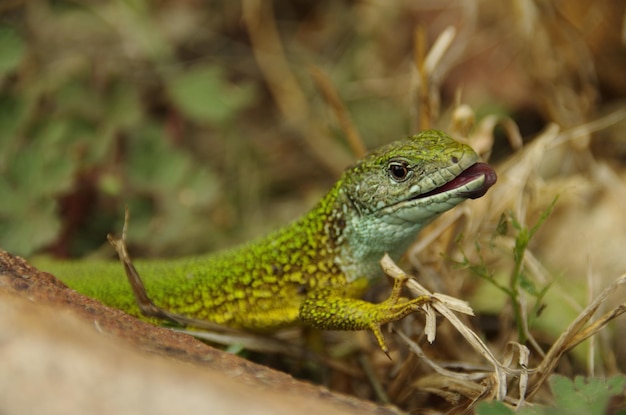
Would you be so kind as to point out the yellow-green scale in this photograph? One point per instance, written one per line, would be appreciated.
(258, 286)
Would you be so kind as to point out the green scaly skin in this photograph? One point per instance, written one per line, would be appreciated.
(312, 270)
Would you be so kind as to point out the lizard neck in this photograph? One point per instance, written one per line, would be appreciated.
(367, 237)
(351, 240)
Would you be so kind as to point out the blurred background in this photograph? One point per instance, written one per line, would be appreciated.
(205, 119)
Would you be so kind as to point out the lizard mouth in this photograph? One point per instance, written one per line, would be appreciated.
(472, 173)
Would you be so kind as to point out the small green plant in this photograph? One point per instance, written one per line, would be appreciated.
(581, 396)
(518, 281)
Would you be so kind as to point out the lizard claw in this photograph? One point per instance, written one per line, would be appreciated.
(378, 334)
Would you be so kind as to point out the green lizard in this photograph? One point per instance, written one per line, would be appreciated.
(314, 270)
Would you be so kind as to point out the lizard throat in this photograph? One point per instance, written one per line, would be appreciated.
(469, 175)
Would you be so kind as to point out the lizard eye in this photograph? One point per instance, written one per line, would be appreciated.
(399, 171)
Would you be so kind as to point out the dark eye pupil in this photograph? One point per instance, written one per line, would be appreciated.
(398, 171)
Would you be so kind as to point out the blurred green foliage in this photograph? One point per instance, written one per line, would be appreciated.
(160, 106)
(73, 122)
(203, 95)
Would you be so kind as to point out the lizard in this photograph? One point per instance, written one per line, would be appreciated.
(314, 270)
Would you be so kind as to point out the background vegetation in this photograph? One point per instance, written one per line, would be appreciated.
(214, 122)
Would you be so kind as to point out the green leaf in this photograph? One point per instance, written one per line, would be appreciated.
(158, 165)
(616, 385)
(528, 285)
(503, 226)
(43, 166)
(123, 107)
(11, 50)
(34, 228)
(544, 216)
(12, 112)
(563, 390)
(204, 95)
(12, 201)
(585, 395)
(154, 163)
(493, 408)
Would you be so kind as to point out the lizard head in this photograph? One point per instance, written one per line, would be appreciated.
(397, 189)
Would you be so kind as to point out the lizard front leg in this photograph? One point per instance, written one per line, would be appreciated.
(331, 309)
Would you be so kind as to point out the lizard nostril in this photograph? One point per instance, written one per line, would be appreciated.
(454, 159)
